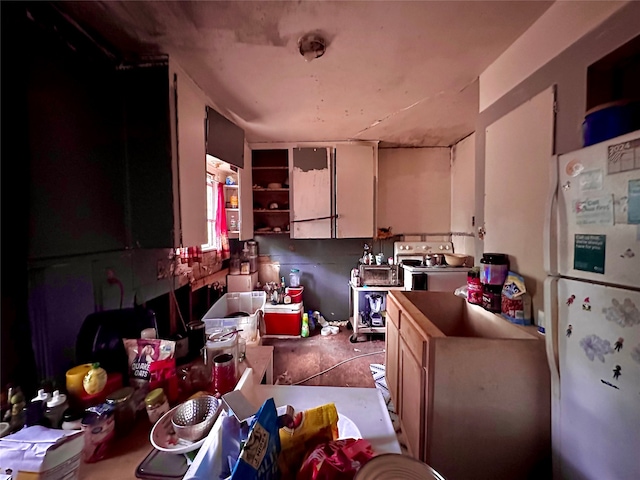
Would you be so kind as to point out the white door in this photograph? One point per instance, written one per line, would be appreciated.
(599, 212)
(598, 340)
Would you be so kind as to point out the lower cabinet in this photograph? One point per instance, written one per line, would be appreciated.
(472, 390)
(412, 401)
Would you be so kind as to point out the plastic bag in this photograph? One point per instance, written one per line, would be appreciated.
(310, 428)
(336, 460)
(259, 455)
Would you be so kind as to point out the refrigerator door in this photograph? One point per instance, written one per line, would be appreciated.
(598, 339)
(598, 216)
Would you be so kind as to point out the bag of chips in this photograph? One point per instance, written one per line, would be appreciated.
(258, 458)
(310, 428)
(336, 460)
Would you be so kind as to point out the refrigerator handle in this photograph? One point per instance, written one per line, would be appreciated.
(549, 243)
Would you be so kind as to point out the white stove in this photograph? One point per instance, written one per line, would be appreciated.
(418, 276)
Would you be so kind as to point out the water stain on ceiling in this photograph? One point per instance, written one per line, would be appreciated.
(404, 73)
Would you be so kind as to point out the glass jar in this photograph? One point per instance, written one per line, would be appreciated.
(156, 404)
(124, 411)
(224, 373)
(294, 278)
(234, 265)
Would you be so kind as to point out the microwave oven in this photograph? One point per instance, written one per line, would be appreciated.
(379, 275)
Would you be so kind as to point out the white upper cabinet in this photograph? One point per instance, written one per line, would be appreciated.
(311, 185)
(188, 116)
(333, 190)
(354, 192)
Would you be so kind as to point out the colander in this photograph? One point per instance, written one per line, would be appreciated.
(193, 419)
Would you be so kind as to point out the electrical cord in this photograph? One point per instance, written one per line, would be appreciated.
(337, 365)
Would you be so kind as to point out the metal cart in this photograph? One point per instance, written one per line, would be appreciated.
(358, 297)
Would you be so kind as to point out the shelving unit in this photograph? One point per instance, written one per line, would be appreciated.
(270, 173)
(222, 171)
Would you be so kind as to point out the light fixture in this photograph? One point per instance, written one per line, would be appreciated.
(311, 46)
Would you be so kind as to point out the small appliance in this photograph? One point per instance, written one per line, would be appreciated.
(373, 314)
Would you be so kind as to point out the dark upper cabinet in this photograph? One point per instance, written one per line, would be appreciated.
(75, 143)
(115, 153)
(225, 140)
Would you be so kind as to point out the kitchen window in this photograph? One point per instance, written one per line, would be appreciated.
(216, 218)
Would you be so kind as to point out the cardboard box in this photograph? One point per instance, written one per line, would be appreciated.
(40, 453)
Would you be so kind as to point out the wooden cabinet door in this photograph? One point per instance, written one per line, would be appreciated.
(411, 400)
(392, 363)
(354, 191)
(311, 186)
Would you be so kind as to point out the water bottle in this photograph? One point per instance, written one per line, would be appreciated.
(294, 278)
(305, 325)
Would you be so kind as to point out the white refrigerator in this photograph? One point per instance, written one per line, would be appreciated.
(592, 310)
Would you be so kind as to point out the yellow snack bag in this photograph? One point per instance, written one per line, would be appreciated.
(310, 428)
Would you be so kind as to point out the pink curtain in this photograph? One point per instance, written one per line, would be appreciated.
(221, 223)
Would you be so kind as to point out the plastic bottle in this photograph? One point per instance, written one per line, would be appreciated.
(56, 407)
(294, 278)
(305, 325)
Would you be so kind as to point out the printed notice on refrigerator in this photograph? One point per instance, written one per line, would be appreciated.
(633, 203)
(594, 211)
(589, 253)
(624, 156)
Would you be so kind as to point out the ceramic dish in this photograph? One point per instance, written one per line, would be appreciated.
(391, 466)
(164, 438)
(4, 429)
(346, 428)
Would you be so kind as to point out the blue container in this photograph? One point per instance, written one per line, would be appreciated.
(609, 121)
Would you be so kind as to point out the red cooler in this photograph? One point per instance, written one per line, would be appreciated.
(283, 319)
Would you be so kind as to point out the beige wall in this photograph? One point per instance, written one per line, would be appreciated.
(558, 28)
(463, 208)
(414, 194)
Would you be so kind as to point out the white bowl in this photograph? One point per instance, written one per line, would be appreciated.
(455, 259)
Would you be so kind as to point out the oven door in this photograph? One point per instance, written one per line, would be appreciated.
(415, 280)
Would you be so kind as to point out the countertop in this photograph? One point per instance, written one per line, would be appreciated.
(126, 453)
(364, 406)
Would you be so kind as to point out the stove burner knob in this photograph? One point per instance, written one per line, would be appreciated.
(441, 247)
(446, 247)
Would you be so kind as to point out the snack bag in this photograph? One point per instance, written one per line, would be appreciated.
(142, 353)
(258, 458)
(310, 428)
(336, 460)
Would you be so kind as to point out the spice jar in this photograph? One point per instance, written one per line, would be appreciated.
(124, 410)
(156, 404)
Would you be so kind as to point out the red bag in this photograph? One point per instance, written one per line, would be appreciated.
(336, 460)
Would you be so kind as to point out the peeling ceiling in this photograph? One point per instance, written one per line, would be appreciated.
(404, 73)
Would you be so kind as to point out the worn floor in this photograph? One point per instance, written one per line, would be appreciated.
(297, 359)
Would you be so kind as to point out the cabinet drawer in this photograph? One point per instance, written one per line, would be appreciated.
(414, 339)
(393, 312)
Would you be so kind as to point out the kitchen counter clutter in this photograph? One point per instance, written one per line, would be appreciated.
(126, 453)
(472, 389)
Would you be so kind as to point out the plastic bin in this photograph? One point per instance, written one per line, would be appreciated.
(238, 310)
